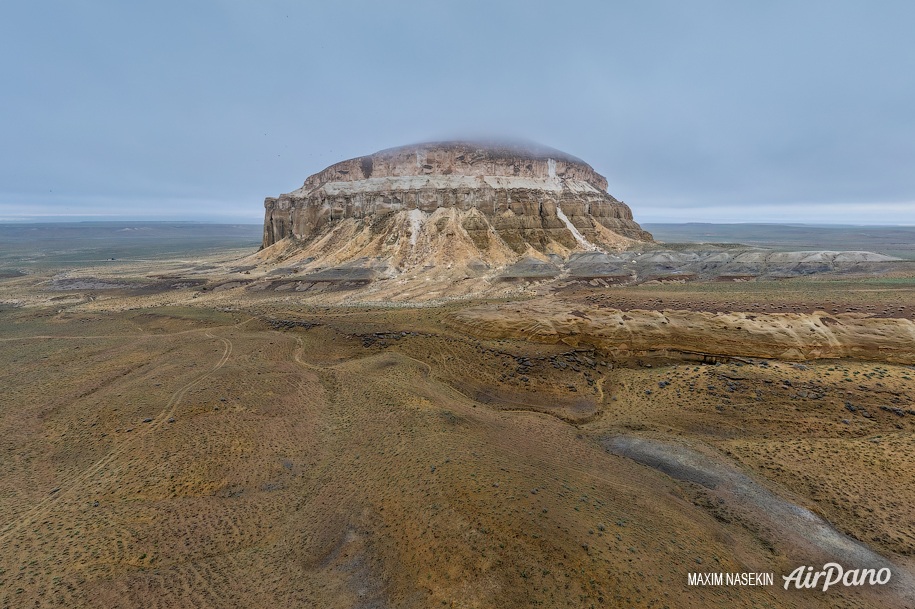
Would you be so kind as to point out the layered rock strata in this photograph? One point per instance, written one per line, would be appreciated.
(786, 336)
(530, 197)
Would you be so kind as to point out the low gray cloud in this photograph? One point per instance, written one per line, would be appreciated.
(701, 110)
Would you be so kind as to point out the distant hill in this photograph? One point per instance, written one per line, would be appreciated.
(898, 241)
(75, 243)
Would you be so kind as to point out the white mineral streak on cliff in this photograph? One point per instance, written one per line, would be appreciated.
(417, 218)
(451, 182)
(578, 236)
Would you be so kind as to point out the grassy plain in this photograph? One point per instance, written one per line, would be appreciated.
(164, 446)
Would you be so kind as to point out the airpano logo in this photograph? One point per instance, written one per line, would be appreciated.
(833, 573)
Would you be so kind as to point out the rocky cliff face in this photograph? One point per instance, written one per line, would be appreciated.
(635, 333)
(509, 199)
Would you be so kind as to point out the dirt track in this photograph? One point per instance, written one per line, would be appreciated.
(798, 530)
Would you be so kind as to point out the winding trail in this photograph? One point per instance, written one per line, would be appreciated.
(71, 485)
(790, 522)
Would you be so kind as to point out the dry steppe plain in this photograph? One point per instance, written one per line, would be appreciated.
(166, 445)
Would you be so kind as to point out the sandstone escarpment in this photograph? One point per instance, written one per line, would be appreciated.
(523, 199)
(787, 336)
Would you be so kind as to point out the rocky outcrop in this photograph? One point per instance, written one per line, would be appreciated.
(528, 197)
(788, 336)
(734, 264)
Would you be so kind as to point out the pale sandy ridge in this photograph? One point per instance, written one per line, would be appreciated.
(786, 336)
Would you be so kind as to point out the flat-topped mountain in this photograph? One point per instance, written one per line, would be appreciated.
(463, 219)
(500, 201)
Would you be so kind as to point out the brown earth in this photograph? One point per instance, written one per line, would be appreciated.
(174, 446)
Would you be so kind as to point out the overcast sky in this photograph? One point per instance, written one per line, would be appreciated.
(794, 111)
